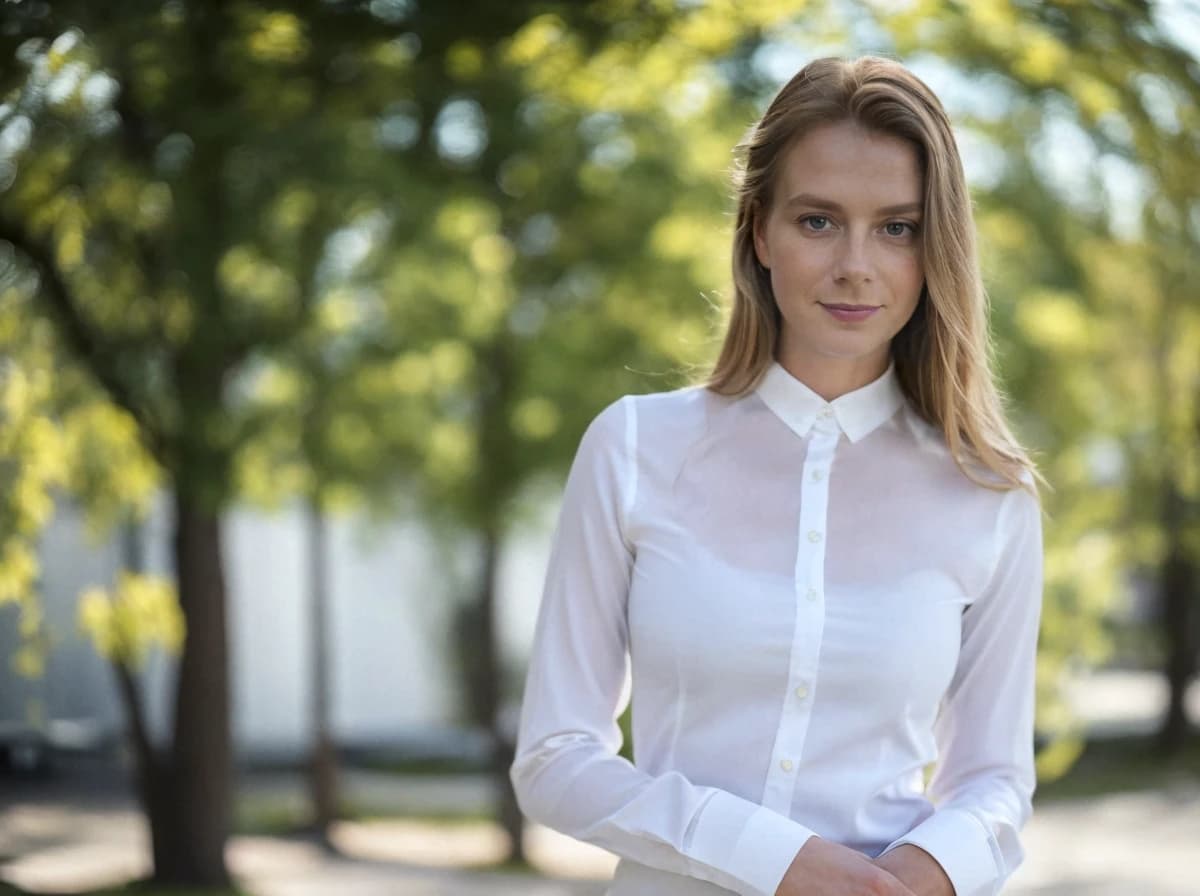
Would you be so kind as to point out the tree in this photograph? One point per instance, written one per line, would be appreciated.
(567, 262)
(181, 174)
(34, 462)
(163, 187)
(534, 200)
(1094, 260)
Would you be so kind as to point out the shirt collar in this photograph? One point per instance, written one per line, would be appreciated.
(856, 413)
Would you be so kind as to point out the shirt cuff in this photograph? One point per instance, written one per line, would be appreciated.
(958, 842)
(750, 843)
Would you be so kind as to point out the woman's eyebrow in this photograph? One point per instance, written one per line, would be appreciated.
(819, 202)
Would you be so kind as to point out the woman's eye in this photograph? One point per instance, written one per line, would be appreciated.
(815, 222)
(901, 225)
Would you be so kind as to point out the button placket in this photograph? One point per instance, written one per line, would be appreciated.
(809, 615)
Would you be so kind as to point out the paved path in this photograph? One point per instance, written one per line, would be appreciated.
(74, 833)
(1140, 844)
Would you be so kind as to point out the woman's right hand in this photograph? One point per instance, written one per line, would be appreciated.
(825, 868)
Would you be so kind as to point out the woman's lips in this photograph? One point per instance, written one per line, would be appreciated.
(850, 313)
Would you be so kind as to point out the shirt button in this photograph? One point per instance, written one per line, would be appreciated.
(814, 536)
(818, 475)
(786, 765)
(802, 691)
(812, 594)
(826, 413)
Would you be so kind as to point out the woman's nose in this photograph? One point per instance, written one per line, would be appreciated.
(852, 263)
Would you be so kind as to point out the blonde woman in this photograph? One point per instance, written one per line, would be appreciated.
(818, 572)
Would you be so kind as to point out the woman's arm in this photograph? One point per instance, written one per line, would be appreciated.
(567, 774)
(984, 780)
(825, 868)
(919, 871)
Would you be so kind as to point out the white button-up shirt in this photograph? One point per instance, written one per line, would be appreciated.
(808, 603)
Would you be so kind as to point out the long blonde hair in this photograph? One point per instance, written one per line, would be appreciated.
(943, 354)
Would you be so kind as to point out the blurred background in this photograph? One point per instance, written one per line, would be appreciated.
(304, 307)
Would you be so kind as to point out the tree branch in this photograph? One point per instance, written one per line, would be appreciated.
(78, 335)
(147, 755)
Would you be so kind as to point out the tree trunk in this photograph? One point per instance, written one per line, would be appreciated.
(323, 761)
(482, 674)
(1179, 582)
(513, 821)
(483, 662)
(1179, 589)
(191, 802)
(148, 762)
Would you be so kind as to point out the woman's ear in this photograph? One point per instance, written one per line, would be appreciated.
(760, 243)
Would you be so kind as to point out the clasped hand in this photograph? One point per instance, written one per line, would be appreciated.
(825, 868)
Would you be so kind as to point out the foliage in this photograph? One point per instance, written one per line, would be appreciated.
(142, 612)
(57, 437)
(1090, 230)
(355, 251)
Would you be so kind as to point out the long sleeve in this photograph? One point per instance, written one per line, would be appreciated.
(984, 780)
(566, 773)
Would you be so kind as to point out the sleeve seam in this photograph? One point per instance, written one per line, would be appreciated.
(998, 542)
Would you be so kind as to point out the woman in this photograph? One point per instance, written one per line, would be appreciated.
(818, 572)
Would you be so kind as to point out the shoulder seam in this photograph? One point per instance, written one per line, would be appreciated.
(629, 495)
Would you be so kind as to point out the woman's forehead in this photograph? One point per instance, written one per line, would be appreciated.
(851, 167)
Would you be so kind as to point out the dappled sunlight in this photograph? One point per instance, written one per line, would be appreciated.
(304, 312)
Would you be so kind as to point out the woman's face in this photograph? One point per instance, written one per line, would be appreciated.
(842, 241)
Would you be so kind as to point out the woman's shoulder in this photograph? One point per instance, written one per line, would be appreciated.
(978, 481)
(652, 423)
(659, 415)
(641, 416)
(680, 400)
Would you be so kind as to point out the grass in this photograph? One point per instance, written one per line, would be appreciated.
(432, 766)
(1109, 765)
(514, 866)
(268, 817)
(1106, 766)
(1122, 765)
(137, 888)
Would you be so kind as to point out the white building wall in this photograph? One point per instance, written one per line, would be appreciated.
(393, 593)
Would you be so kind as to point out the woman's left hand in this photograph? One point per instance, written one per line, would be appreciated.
(917, 870)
